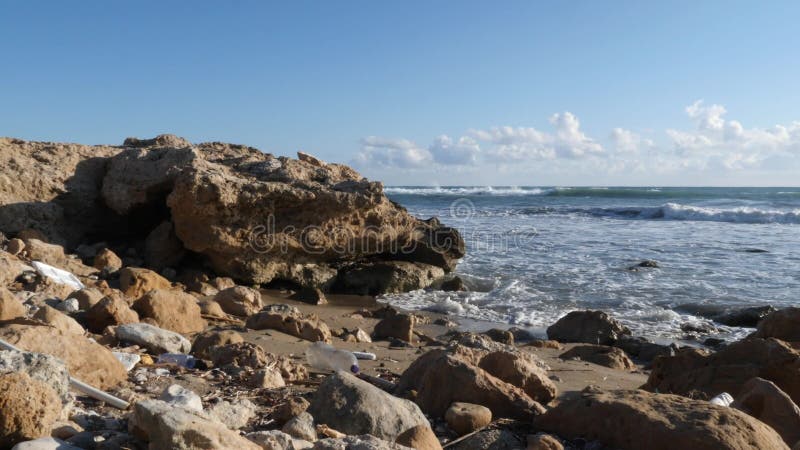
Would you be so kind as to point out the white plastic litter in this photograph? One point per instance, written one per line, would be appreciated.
(322, 356)
(365, 355)
(58, 275)
(723, 399)
(179, 359)
(128, 360)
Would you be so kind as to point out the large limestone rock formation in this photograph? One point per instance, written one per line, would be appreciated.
(252, 216)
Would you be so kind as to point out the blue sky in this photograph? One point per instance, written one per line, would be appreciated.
(509, 93)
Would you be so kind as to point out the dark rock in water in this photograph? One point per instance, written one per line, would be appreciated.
(589, 327)
(521, 334)
(714, 342)
(641, 349)
(445, 322)
(747, 317)
(501, 336)
(454, 284)
(698, 327)
(783, 325)
(646, 264)
(754, 250)
(709, 311)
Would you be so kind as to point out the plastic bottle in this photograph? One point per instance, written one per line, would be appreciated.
(323, 356)
(179, 359)
(723, 399)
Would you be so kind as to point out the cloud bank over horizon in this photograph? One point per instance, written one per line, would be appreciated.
(707, 152)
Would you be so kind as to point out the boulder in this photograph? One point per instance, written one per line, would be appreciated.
(250, 215)
(589, 327)
(745, 317)
(154, 339)
(110, 311)
(273, 440)
(240, 354)
(292, 407)
(310, 295)
(11, 268)
(165, 426)
(235, 414)
(86, 360)
(290, 320)
(87, 297)
(56, 318)
(501, 336)
(602, 355)
(395, 325)
(135, 282)
(140, 177)
(292, 202)
(766, 402)
(107, 261)
(440, 379)
(494, 439)
(301, 427)
(54, 255)
(52, 188)
(353, 406)
(643, 350)
(10, 306)
(15, 246)
(211, 308)
(783, 324)
(178, 396)
(39, 367)
(28, 408)
(420, 437)
(239, 300)
(46, 443)
(523, 370)
(204, 341)
(266, 378)
(363, 442)
(693, 371)
(171, 310)
(638, 420)
(465, 418)
(374, 278)
(162, 248)
(543, 441)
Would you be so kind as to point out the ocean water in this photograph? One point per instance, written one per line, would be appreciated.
(536, 253)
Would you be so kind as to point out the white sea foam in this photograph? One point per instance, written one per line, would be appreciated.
(461, 191)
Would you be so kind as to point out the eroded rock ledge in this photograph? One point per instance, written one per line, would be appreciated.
(245, 214)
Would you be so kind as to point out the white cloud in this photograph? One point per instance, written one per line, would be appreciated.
(462, 152)
(570, 141)
(402, 153)
(626, 141)
(712, 145)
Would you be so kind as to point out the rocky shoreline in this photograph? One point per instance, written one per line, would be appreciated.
(188, 281)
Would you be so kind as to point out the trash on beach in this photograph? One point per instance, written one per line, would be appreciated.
(187, 361)
(322, 356)
(365, 355)
(723, 399)
(128, 360)
(58, 275)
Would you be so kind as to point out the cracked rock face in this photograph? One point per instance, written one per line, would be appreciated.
(250, 215)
